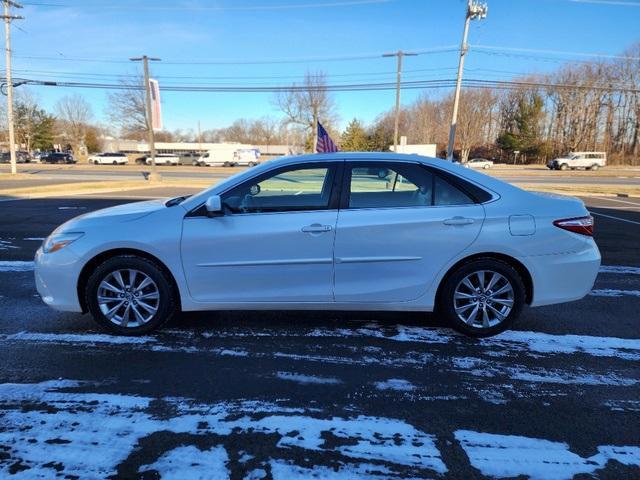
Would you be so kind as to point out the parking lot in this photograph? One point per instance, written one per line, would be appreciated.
(325, 395)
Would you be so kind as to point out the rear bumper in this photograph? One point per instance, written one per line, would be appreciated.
(563, 277)
(56, 278)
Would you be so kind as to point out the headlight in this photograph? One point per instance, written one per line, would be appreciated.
(56, 241)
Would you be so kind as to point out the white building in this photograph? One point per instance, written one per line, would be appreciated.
(133, 147)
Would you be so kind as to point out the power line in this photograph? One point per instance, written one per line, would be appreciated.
(413, 84)
(220, 61)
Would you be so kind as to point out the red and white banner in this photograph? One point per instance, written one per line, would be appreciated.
(156, 112)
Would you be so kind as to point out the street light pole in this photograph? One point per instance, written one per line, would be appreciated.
(399, 54)
(150, 135)
(475, 10)
(7, 47)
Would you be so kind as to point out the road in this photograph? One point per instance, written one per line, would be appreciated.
(330, 395)
(78, 173)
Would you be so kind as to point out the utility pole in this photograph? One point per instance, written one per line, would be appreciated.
(475, 11)
(399, 54)
(150, 136)
(7, 48)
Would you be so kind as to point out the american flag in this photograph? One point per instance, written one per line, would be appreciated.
(325, 144)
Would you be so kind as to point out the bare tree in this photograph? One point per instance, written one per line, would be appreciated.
(127, 108)
(74, 116)
(308, 103)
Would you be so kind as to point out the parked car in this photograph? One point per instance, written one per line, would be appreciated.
(287, 235)
(189, 158)
(58, 157)
(479, 163)
(141, 160)
(109, 158)
(164, 159)
(587, 160)
(21, 157)
(37, 156)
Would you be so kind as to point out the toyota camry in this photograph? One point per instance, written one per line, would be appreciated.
(339, 231)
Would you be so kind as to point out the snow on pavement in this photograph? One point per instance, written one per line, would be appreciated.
(56, 427)
(15, 266)
(501, 456)
(62, 428)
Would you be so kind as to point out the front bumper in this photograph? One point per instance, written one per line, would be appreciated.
(56, 276)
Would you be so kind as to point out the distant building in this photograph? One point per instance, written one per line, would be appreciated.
(180, 148)
(425, 149)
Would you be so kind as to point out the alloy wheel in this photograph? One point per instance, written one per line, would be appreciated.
(483, 299)
(128, 298)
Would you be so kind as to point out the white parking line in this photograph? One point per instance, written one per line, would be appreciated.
(614, 218)
(635, 204)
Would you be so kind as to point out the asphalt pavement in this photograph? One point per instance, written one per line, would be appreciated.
(316, 394)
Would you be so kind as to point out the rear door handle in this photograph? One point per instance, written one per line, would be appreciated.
(458, 221)
(316, 228)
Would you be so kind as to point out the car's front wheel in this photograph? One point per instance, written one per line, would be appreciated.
(130, 295)
(482, 297)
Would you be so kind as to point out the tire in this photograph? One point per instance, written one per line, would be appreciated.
(564, 166)
(594, 167)
(509, 302)
(115, 162)
(485, 167)
(161, 310)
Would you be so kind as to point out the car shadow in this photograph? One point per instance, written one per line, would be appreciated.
(288, 319)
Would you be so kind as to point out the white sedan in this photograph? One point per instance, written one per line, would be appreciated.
(344, 231)
(479, 163)
(109, 158)
(164, 159)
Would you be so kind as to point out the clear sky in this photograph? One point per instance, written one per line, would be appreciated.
(65, 34)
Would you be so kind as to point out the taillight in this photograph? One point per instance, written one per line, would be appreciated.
(581, 225)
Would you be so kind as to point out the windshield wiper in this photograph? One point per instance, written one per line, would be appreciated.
(176, 201)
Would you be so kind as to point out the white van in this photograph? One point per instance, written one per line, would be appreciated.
(211, 159)
(246, 157)
(588, 160)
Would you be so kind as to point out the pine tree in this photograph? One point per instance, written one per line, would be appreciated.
(354, 138)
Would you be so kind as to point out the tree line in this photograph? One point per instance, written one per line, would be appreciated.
(585, 106)
(582, 106)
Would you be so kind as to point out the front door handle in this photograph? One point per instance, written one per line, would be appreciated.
(316, 228)
(458, 221)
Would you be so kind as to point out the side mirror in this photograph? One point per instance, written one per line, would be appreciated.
(213, 205)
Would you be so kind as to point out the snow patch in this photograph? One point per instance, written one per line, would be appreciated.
(514, 456)
(191, 463)
(65, 424)
(89, 339)
(6, 245)
(285, 471)
(397, 384)
(629, 349)
(15, 266)
(307, 379)
(620, 269)
(611, 292)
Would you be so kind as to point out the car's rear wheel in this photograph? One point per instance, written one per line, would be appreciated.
(594, 167)
(564, 166)
(482, 297)
(130, 295)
